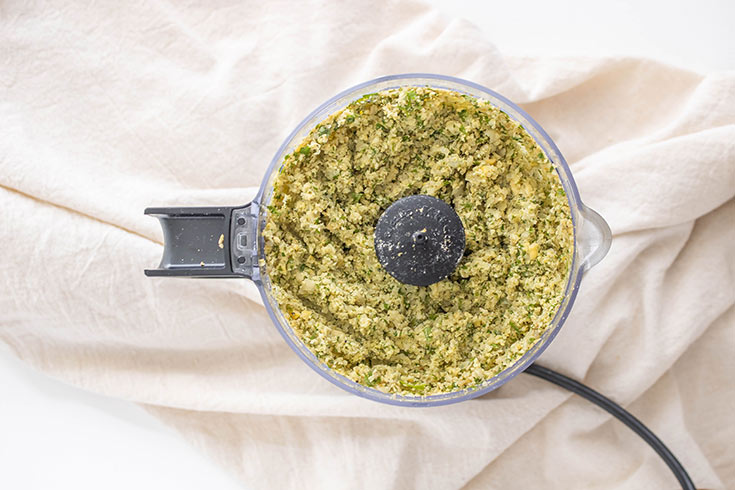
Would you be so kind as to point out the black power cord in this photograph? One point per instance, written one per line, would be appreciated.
(621, 414)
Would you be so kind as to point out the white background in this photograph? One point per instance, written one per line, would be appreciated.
(56, 436)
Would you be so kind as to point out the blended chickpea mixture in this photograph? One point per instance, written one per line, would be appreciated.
(349, 311)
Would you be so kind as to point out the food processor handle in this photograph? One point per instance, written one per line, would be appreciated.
(207, 241)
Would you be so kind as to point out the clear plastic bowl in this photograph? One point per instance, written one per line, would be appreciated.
(592, 237)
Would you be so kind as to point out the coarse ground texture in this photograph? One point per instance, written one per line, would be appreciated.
(353, 315)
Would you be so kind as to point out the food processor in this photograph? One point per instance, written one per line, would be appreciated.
(227, 242)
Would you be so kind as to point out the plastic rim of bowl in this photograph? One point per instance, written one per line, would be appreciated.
(552, 152)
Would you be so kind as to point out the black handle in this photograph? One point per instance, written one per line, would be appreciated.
(207, 241)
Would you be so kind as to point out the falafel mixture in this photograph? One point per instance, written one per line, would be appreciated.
(359, 320)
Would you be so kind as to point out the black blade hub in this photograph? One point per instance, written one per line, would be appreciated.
(419, 240)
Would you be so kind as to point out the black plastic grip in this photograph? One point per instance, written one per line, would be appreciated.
(206, 241)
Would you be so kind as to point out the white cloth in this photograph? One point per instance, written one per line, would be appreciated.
(110, 107)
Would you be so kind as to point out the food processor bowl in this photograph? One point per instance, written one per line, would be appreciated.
(228, 241)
